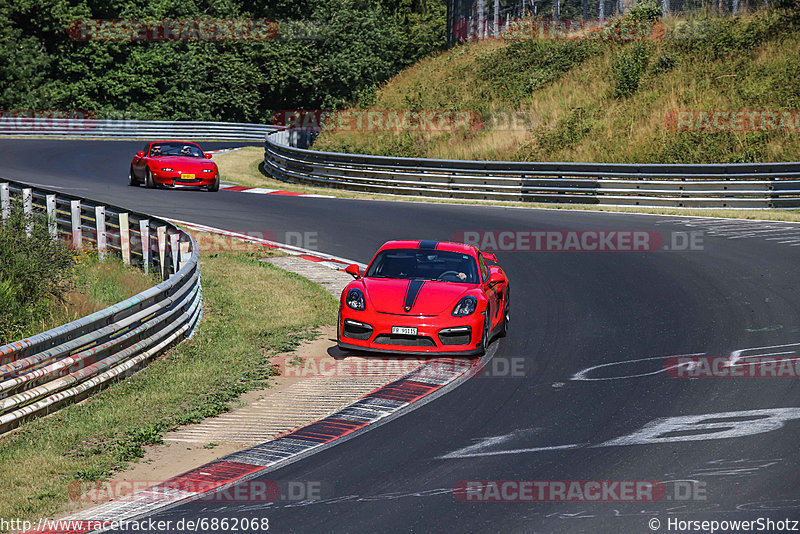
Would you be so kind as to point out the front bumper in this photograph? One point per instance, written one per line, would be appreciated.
(173, 179)
(444, 334)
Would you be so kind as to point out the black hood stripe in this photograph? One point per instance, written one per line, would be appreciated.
(412, 292)
(428, 244)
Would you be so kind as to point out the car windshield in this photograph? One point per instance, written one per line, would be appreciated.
(420, 264)
(175, 149)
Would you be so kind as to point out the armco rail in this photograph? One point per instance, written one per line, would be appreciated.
(43, 372)
(765, 185)
(131, 129)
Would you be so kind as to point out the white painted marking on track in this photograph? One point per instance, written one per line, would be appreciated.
(583, 375)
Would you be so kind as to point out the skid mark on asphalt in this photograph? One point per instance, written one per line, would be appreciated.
(780, 232)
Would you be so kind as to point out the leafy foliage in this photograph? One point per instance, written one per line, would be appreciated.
(347, 46)
(628, 68)
(527, 66)
(644, 11)
(33, 270)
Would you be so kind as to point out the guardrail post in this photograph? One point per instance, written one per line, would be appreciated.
(100, 219)
(144, 235)
(27, 210)
(5, 201)
(161, 237)
(77, 224)
(175, 251)
(125, 237)
(185, 253)
(52, 223)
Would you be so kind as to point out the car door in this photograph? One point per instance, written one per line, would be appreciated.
(140, 163)
(492, 293)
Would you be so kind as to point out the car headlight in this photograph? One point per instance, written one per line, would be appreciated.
(168, 169)
(355, 299)
(208, 170)
(465, 306)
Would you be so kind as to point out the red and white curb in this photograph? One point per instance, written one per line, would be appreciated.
(264, 191)
(379, 406)
(328, 260)
(260, 190)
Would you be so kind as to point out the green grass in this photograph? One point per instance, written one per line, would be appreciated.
(252, 309)
(602, 100)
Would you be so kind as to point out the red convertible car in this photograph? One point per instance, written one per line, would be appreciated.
(425, 297)
(174, 164)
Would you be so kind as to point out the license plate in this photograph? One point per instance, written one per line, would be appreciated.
(187, 176)
(406, 330)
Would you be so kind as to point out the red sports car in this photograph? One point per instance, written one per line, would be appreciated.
(425, 297)
(174, 164)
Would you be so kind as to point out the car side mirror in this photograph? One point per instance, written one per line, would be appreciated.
(208, 156)
(140, 154)
(495, 277)
(353, 271)
(489, 256)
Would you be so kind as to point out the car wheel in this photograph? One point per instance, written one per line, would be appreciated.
(132, 178)
(485, 338)
(148, 178)
(215, 187)
(506, 313)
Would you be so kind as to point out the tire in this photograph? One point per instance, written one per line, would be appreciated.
(506, 314)
(486, 333)
(148, 179)
(214, 188)
(132, 181)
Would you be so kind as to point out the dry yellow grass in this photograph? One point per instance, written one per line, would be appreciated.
(631, 129)
(97, 285)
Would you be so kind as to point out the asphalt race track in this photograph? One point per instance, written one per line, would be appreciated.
(571, 311)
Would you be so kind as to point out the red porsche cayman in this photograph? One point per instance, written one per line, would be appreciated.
(425, 297)
(174, 164)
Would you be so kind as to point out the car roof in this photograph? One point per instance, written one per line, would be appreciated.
(437, 245)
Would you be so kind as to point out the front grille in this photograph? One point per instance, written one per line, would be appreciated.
(461, 335)
(356, 330)
(399, 339)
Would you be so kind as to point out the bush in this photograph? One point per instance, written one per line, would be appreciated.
(644, 11)
(628, 68)
(34, 270)
(513, 73)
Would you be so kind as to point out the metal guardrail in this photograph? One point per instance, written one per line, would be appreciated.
(45, 371)
(131, 129)
(746, 186)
